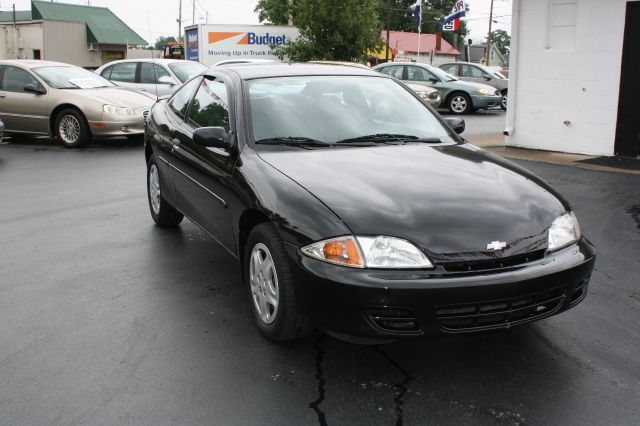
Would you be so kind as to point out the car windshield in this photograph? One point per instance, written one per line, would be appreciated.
(333, 109)
(66, 77)
(187, 69)
(444, 76)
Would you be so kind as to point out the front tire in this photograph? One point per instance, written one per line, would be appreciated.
(271, 289)
(460, 103)
(162, 213)
(503, 101)
(71, 128)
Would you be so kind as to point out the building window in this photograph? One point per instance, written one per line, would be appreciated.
(561, 27)
(36, 54)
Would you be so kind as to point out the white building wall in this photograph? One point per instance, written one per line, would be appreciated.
(20, 41)
(567, 56)
(67, 42)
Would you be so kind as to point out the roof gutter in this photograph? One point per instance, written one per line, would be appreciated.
(514, 59)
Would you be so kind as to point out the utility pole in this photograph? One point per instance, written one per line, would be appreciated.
(486, 59)
(388, 28)
(180, 20)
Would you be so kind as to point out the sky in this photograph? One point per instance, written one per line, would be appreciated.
(154, 18)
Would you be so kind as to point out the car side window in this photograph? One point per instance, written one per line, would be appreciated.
(418, 74)
(14, 79)
(473, 72)
(106, 73)
(180, 101)
(210, 107)
(393, 71)
(125, 72)
(150, 73)
(451, 69)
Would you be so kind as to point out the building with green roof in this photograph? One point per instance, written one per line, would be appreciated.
(86, 36)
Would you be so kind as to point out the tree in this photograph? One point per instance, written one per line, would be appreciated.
(161, 41)
(502, 40)
(275, 12)
(335, 30)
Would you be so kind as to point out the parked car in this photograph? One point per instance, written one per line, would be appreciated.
(460, 97)
(160, 77)
(243, 61)
(68, 102)
(429, 94)
(479, 73)
(354, 208)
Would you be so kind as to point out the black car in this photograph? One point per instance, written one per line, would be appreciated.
(355, 208)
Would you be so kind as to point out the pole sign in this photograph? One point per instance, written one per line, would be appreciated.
(191, 44)
(221, 42)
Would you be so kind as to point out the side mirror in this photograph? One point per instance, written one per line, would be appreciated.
(433, 79)
(212, 137)
(34, 88)
(456, 123)
(488, 77)
(165, 79)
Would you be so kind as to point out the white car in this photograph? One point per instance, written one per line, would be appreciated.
(159, 77)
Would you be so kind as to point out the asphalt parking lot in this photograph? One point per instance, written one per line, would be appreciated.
(107, 319)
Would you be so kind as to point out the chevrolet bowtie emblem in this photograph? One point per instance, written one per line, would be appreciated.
(496, 245)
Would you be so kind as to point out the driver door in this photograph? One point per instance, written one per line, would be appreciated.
(203, 178)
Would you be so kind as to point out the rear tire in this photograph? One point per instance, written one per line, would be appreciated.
(71, 128)
(460, 103)
(162, 213)
(503, 101)
(270, 285)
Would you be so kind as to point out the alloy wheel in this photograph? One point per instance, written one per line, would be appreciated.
(458, 104)
(264, 283)
(504, 101)
(69, 129)
(154, 189)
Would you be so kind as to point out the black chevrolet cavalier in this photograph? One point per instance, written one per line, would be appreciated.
(355, 208)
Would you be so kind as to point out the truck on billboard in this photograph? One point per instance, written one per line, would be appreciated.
(212, 43)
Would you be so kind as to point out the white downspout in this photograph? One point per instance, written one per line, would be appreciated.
(514, 56)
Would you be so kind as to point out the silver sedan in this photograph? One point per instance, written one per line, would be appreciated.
(67, 102)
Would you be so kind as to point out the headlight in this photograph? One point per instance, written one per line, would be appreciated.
(483, 91)
(369, 252)
(434, 95)
(112, 109)
(564, 230)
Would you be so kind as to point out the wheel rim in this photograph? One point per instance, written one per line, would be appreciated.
(264, 283)
(504, 101)
(69, 129)
(154, 189)
(458, 104)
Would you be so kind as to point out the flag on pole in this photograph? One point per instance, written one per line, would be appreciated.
(452, 21)
(417, 13)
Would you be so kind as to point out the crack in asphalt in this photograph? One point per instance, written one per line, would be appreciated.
(315, 405)
(400, 388)
(635, 214)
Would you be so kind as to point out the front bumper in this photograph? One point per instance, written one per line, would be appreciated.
(485, 102)
(395, 304)
(105, 129)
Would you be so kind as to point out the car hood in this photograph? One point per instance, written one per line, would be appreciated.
(451, 200)
(118, 96)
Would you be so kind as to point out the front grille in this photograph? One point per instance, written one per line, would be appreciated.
(494, 263)
(393, 319)
(498, 313)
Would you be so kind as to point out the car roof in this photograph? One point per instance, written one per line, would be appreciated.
(33, 63)
(482, 66)
(161, 61)
(251, 71)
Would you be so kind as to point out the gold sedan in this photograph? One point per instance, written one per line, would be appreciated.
(67, 102)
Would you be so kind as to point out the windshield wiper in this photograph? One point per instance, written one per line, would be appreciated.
(389, 137)
(292, 141)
